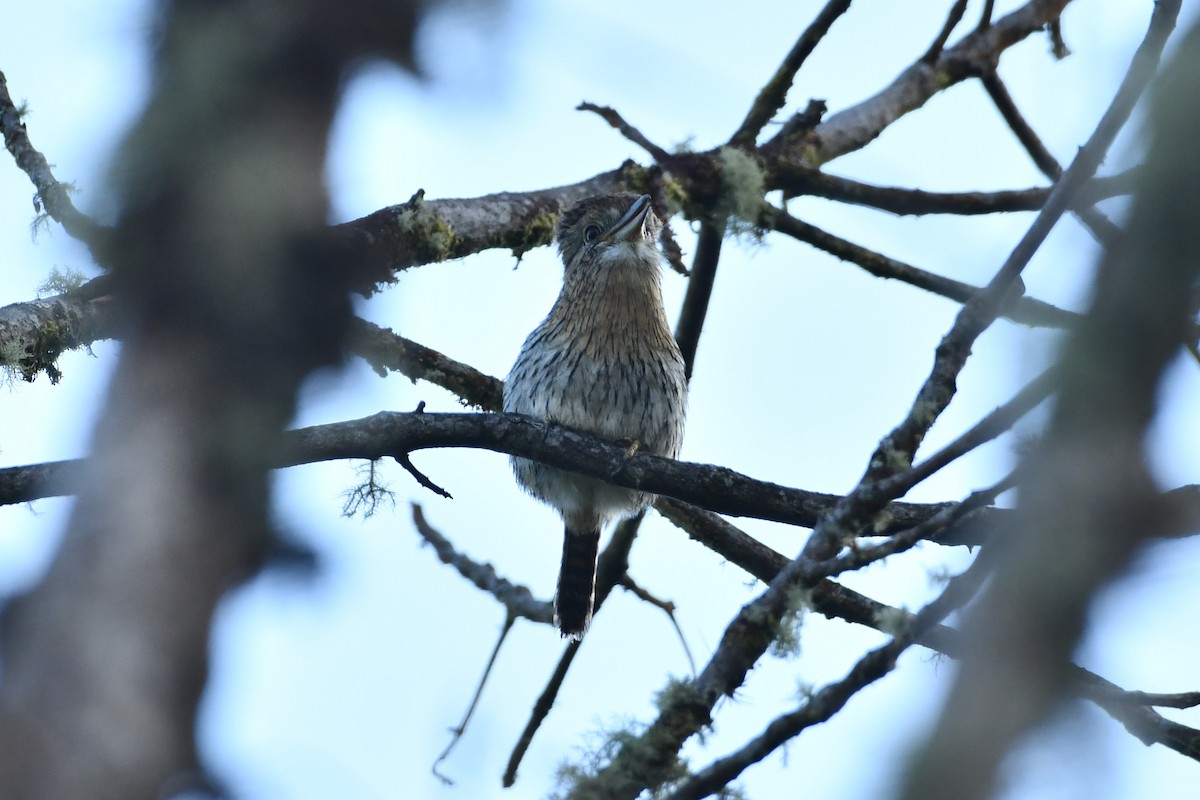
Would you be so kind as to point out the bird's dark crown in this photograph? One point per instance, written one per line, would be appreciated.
(602, 211)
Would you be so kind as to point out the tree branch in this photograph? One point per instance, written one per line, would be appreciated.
(774, 94)
(385, 350)
(34, 334)
(1025, 310)
(518, 600)
(1101, 227)
(53, 196)
(796, 179)
(106, 658)
(700, 285)
(425, 231)
(835, 601)
(1086, 491)
(823, 704)
(956, 14)
(613, 118)
(855, 127)
(747, 637)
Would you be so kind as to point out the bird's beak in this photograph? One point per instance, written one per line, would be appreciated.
(632, 226)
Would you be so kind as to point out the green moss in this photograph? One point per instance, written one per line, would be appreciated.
(678, 694)
(676, 194)
(636, 177)
(742, 188)
(812, 155)
(41, 355)
(61, 282)
(424, 234)
(442, 238)
(787, 640)
(539, 231)
(893, 621)
(688, 145)
(10, 356)
(628, 744)
(742, 183)
(882, 520)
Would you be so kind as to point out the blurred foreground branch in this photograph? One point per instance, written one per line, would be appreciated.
(1087, 500)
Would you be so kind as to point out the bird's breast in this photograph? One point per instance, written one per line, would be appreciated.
(608, 377)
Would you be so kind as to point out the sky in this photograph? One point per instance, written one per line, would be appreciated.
(344, 683)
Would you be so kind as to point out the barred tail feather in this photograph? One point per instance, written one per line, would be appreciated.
(576, 582)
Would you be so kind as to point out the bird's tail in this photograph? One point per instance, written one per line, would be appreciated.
(576, 582)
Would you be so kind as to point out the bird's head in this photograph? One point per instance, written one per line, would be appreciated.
(611, 229)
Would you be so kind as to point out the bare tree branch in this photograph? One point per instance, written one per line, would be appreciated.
(518, 600)
(385, 350)
(826, 702)
(717, 488)
(105, 660)
(631, 133)
(855, 127)
(1087, 491)
(774, 93)
(425, 231)
(1101, 227)
(796, 180)
(461, 728)
(647, 760)
(1026, 310)
(838, 602)
(53, 196)
(956, 14)
(695, 301)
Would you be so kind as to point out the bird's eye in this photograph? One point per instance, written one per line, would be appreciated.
(590, 233)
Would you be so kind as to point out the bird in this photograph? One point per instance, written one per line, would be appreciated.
(603, 362)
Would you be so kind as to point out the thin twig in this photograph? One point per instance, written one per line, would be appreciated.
(1026, 310)
(859, 557)
(385, 350)
(462, 726)
(1172, 700)
(403, 460)
(796, 180)
(613, 118)
(985, 18)
(956, 14)
(518, 600)
(666, 606)
(1101, 227)
(997, 422)
(1139, 719)
(1057, 45)
(774, 94)
(541, 709)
